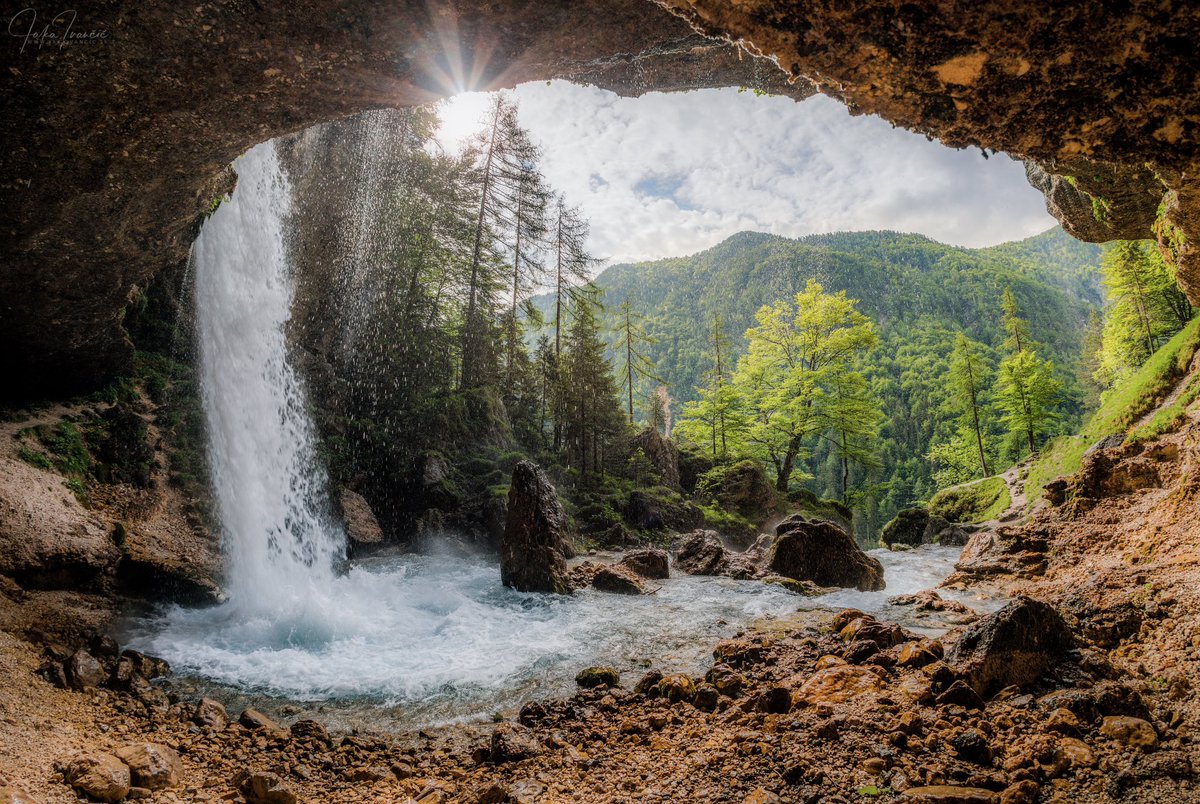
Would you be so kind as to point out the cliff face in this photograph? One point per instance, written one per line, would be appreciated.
(120, 126)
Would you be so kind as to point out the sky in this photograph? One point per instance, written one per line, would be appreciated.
(670, 174)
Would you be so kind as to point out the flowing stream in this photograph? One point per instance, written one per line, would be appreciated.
(426, 639)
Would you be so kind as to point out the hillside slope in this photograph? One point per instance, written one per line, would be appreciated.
(919, 293)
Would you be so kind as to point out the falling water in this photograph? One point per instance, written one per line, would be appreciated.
(279, 537)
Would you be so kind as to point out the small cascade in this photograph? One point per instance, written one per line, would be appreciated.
(280, 538)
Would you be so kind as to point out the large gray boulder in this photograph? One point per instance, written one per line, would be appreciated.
(535, 534)
(819, 551)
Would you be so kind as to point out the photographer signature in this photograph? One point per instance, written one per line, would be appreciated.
(24, 26)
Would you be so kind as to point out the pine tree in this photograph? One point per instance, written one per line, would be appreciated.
(592, 416)
(969, 377)
(1026, 394)
(631, 339)
(571, 265)
(1016, 327)
(506, 178)
(1145, 307)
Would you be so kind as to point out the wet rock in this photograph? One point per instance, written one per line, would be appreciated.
(84, 671)
(648, 563)
(1013, 647)
(919, 653)
(1074, 753)
(618, 580)
(706, 697)
(906, 528)
(151, 765)
(726, 680)
(255, 720)
(531, 713)
(821, 552)
(1023, 792)
(512, 742)
(838, 684)
(661, 453)
(648, 684)
(309, 730)
(949, 794)
(805, 588)
(211, 714)
(741, 652)
(362, 528)
(1063, 721)
(590, 677)
(535, 533)
(939, 530)
(960, 694)
(147, 666)
(972, 746)
(1131, 731)
(929, 601)
(103, 777)
(701, 553)
(266, 788)
(677, 687)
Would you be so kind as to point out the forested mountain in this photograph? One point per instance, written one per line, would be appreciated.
(919, 293)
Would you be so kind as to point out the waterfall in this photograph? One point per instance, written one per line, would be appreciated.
(279, 535)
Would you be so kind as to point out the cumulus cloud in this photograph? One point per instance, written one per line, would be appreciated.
(671, 174)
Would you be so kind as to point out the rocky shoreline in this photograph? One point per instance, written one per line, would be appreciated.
(1083, 692)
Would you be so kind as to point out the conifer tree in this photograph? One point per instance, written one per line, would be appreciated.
(631, 339)
(852, 412)
(591, 408)
(1016, 327)
(969, 377)
(1026, 394)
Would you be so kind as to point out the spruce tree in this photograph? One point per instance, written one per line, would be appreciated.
(631, 340)
(1026, 394)
(969, 377)
(591, 407)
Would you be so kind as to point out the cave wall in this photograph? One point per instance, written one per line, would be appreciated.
(120, 122)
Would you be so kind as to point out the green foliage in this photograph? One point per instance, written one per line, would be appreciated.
(1026, 394)
(972, 502)
(1120, 408)
(920, 294)
(34, 457)
(1145, 307)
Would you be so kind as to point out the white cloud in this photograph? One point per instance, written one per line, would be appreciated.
(671, 174)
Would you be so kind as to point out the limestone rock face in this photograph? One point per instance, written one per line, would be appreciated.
(662, 454)
(101, 776)
(135, 189)
(1014, 646)
(362, 527)
(821, 552)
(47, 539)
(535, 532)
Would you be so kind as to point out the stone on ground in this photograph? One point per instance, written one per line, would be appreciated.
(151, 765)
(100, 776)
(821, 552)
(648, 563)
(1012, 647)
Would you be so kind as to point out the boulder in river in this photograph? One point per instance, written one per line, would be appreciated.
(362, 528)
(821, 552)
(535, 534)
(1012, 647)
(907, 527)
(702, 553)
(618, 580)
(648, 563)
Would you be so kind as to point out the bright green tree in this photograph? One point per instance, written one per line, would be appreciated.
(1027, 393)
(852, 414)
(969, 377)
(793, 352)
(1145, 307)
